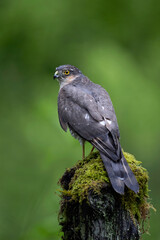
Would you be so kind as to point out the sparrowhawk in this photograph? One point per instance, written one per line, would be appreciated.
(86, 109)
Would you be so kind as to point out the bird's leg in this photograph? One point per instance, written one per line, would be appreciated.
(83, 149)
(92, 150)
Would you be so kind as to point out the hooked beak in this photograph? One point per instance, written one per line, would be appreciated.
(56, 75)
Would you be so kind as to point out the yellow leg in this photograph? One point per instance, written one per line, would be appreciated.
(92, 150)
(83, 150)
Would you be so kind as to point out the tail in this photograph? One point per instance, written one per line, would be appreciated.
(120, 174)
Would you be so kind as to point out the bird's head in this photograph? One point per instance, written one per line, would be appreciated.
(66, 74)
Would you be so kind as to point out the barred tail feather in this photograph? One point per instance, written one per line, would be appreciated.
(130, 180)
(115, 178)
(120, 174)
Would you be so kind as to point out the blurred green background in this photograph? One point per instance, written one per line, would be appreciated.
(116, 44)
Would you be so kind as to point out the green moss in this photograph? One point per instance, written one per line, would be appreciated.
(90, 174)
(136, 202)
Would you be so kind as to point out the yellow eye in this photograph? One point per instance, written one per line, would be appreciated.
(66, 72)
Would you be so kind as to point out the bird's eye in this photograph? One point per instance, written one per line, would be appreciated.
(66, 72)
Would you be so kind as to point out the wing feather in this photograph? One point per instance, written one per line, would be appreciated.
(80, 109)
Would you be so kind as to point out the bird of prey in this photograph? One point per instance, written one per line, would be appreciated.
(86, 109)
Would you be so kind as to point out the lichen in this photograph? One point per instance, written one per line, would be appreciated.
(90, 174)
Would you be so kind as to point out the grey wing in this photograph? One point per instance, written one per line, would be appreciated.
(106, 109)
(78, 110)
(83, 117)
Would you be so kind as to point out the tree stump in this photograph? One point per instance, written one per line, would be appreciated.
(92, 210)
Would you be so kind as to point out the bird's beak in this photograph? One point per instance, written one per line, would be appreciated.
(56, 75)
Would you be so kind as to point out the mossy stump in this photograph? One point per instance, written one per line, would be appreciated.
(92, 210)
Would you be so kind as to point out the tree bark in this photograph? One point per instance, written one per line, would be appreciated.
(99, 218)
(101, 214)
